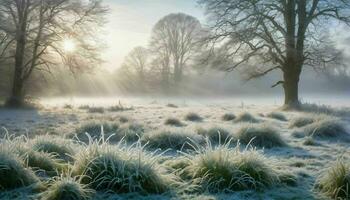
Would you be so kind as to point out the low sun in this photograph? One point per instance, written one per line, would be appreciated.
(68, 45)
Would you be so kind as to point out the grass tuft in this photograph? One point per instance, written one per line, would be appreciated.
(66, 188)
(61, 148)
(166, 139)
(277, 115)
(194, 117)
(96, 110)
(327, 128)
(335, 181)
(216, 135)
(260, 136)
(223, 169)
(301, 121)
(228, 117)
(13, 173)
(173, 122)
(122, 169)
(246, 117)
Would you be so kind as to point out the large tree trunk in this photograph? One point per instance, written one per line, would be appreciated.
(291, 91)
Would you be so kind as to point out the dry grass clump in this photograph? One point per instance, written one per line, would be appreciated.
(260, 136)
(277, 115)
(167, 139)
(223, 169)
(66, 188)
(129, 133)
(335, 181)
(96, 110)
(171, 121)
(301, 121)
(324, 109)
(61, 148)
(327, 128)
(228, 117)
(246, 117)
(216, 135)
(122, 169)
(13, 173)
(194, 117)
(84, 107)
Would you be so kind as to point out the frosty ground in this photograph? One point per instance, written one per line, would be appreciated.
(298, 148)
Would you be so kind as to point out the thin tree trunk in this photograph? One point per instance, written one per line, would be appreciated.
(17, 96)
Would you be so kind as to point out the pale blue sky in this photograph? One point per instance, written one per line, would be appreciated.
(131, 22)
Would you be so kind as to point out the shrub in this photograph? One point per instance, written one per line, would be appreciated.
(166, 139)
(120, 169)
(173, 122)
(194, 117)
(301, 121)
(335, 180)
(225, 169)
(66, 188)
(62, 148)
(216, 135)
(13, 173)
(260, 136)
(246, 117)
(328, 128)
(277, 115)
(228, 117)
(96, 110)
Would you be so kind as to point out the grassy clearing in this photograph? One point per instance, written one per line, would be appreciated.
(170, 139)
(262, 135)
(277, 115)
(171, 121)
(334, 182)
(13, 173)
(327, 128)
(216, 135)
(246, 117)
(122, 169)
(223, 169)
(66, 188)
(194, 117)
(228, 117)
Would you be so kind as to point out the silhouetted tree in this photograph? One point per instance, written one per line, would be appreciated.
(176, 39)
(39, 28)
(280, 35)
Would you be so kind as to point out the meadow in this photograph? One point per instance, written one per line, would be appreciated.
(174, 149)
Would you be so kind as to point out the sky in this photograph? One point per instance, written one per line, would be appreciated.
(131, 21)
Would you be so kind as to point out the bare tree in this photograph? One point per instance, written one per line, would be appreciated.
(39, 29)
(176, 38)
(283, 35)
(136, 62)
